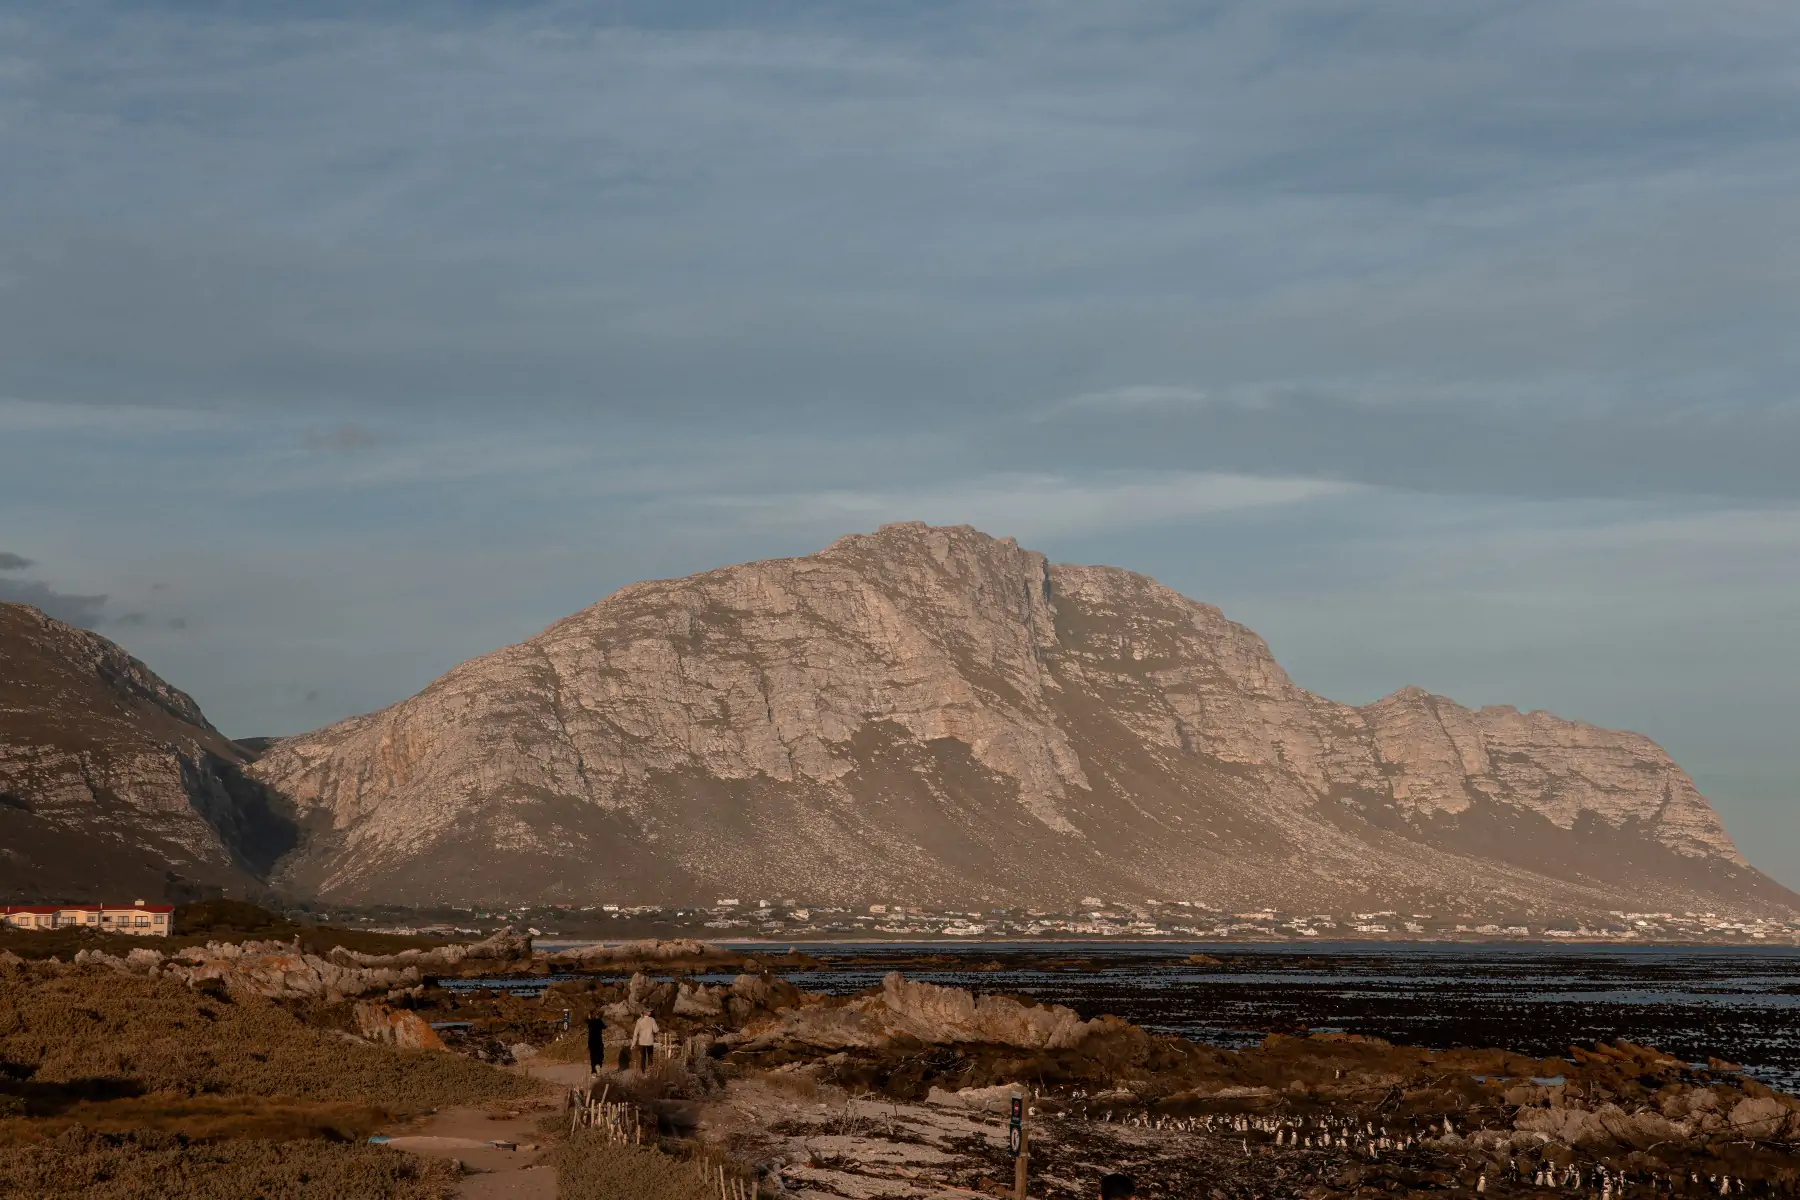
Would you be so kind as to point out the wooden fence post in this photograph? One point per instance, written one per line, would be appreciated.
(1019, 1164)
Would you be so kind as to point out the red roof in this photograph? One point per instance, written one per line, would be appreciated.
(50, 909)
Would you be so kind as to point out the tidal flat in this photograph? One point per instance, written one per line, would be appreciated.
(1740, 1004)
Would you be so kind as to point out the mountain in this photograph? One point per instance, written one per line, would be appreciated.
(112, 783)
(933, 716)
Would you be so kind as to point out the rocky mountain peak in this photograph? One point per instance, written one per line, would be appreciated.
(935, 714)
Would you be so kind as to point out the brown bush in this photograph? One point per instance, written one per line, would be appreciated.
(129, 1167)
(590, 1168)
(69, 1025)
(569, 1047)
(801, 1085)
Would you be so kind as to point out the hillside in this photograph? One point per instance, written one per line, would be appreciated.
(112, 783)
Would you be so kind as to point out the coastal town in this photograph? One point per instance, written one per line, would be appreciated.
(756, 919)
(735, 919)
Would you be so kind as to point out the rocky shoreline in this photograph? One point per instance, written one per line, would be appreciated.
(1321, 1114)
(893, 1090)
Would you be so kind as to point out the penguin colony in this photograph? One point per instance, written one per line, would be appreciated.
(1368, 1141)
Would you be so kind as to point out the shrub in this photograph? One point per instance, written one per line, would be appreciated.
(224, 917)
(132, 1166)
(588, 1167)
(569, 1047)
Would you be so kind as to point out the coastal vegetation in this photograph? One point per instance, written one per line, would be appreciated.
(116, 1085)
(266, 1069)
(101, 1166)
(589, 1167)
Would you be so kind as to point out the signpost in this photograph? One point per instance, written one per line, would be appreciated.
(1019, 1139)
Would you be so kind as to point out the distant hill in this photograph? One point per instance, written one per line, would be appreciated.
(934, 716)
(112, 783)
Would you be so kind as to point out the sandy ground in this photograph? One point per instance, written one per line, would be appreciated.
(467, 1135)
(491, 1172)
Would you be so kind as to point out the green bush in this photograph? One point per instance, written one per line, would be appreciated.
(588, 1167)
(231, 916)
(130, 1167)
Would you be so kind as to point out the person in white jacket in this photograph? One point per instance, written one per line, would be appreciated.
(643, 1036)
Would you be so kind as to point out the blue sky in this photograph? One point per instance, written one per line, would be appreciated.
(1441, 344)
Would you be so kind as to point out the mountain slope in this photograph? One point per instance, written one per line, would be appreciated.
(934, 716)
(112, 783)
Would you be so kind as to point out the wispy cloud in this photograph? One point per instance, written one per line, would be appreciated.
(87, 611)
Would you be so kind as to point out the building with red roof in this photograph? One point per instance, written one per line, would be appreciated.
(138, 918)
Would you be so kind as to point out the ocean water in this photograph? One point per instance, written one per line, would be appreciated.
(1737, 1004)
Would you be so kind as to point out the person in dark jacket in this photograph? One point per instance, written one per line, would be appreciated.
(1117, 1187)
(596, 1029)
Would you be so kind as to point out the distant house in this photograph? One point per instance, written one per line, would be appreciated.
(138, 918)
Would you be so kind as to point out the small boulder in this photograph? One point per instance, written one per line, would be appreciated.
(698, 1001)
(752, 989)
(396, 1027)
(1758, 1118)
(144, 960)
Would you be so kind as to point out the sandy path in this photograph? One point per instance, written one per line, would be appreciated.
(491, 1172)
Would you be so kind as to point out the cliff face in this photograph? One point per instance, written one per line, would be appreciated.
(935, 716)
(112, 783)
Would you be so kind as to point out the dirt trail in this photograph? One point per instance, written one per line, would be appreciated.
(469, 1135)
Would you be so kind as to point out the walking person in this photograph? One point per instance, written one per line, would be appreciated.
(643, 1036)
(596, 1031)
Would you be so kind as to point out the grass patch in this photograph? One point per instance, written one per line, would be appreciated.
(97, 1166)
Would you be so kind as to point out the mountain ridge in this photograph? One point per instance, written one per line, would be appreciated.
(934, 715)
(112, 780)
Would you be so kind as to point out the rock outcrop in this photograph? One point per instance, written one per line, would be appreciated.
(113, 781)
(934, 716)
(272, 970)
(282, 971)
(396, 1027)
(503, 949)
(908, 1011)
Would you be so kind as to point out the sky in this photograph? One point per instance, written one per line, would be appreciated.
(1442, 344)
